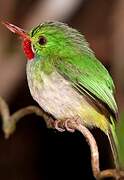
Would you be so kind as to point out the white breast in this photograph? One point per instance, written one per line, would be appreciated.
(55, 95)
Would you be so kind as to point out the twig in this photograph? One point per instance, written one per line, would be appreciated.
(4, 110)
(30, 110)
(92, 143)
(9, 124)
(117, 174)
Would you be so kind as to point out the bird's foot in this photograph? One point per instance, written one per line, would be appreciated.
(59, 125)
(66, 124)
(75, 119)
(62, 125)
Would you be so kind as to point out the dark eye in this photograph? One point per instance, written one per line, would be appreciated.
(42, 40)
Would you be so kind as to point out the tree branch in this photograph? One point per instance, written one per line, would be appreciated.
(117, 174)
(92, 143)
(9, 124)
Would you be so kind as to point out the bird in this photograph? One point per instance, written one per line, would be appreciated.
(67, 80)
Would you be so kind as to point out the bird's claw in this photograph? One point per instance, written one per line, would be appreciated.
(66, 122)
(58, 126)
(62, 125)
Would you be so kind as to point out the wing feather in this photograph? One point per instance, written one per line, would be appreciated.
(88, 74)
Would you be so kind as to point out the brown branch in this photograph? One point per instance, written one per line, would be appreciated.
(4, 110)
(9, 124)
(117, 174)
(92, 143)
(27, 111)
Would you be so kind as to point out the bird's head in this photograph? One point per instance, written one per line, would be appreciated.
(50, 39)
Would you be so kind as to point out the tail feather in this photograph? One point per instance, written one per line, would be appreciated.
(114, 144)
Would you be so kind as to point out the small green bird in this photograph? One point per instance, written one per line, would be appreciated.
(67, 80)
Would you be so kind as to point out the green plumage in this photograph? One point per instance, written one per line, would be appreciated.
(76, 61)
(68, 53)
(67, 80)
(87, 74)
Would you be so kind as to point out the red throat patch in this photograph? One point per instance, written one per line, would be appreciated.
(27, 49)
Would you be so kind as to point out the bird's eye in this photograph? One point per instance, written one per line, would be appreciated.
(42, 40)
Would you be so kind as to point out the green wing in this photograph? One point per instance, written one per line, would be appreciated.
(88, 74)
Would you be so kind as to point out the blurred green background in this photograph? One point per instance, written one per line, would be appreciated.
(34, 152)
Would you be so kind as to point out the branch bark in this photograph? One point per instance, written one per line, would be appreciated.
(92, 143)
(9, 121)
(117, 174)
(9, 125)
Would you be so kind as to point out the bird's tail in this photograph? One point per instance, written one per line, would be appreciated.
(114, 143)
